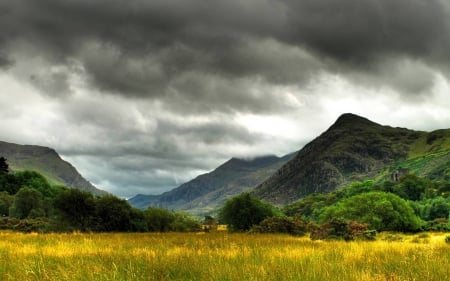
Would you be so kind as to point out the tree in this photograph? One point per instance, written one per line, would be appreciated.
(76, 207)
(6, 202)
(112, 214)
(411, 187)
(27, 204)
(36, 181)
(382, 211)
(244, 211)
(4, 168)
(158, 219)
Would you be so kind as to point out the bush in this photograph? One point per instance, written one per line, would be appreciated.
(440, 224)
(163, 220)
(294, 226)
(244, 211)
(25, 225)
(381, 211)
(340, 229)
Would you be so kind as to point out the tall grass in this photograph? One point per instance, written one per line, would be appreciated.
(218, 256)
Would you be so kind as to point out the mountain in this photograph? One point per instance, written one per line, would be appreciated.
(47, 162)
(355, 148)
(207, 192)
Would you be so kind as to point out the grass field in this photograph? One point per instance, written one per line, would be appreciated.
(219, 256)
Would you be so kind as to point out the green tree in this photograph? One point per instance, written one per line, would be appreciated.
(27, 204)
(9, 183)
(411, 187)
(185, 223)
(158, 219)
(37, 181)
(76, 207)
(6, 202)
(4, 168)
(112, 214)
(432, 209)
(439, 208)
(244, 211)
(382, 211)
(357, 187)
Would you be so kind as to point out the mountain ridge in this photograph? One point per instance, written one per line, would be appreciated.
(353, 148)
(206, 192)
(47, 162)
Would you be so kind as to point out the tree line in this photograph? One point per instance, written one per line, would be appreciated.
(29, 203)
(359, 209)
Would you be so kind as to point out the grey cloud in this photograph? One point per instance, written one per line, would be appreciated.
(5, 62)
(55, 84)
(142, 48)
(113, 127)
(359, 31)
(412, 77)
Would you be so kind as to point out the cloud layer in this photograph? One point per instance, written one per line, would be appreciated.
(142, 95)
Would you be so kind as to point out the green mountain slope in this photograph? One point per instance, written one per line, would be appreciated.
(47, 162)
(429, 156)
(207, 192)
(355, 148)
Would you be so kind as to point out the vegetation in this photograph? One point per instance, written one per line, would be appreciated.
(380, 210)
(341, 229)
(244, 211)
(28, 202)
(4, 167)
(294, 226)
(218, 256)
(411, 204)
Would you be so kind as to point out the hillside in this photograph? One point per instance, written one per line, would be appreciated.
(355, 148)
(209, 191)
(47, 162)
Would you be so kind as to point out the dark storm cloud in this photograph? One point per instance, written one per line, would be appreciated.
(141, 47)
(361, 31)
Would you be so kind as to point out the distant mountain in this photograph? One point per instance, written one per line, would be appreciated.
(47, 162)
(207, 192)
(355, 148)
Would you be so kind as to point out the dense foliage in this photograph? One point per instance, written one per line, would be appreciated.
(380, 210)
(294, 226)
(411, 204)
(29, 203)
(244, 211)
(4, 167)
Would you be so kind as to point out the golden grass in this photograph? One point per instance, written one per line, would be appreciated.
(219, 256)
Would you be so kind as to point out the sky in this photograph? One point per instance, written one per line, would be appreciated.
(143, 95)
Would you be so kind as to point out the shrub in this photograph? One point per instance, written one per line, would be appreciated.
(294, 226)
(381, 211)
(244, 211)
(25, 225)
(440, 224)
(339, 228)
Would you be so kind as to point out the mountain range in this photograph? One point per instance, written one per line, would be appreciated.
(207, 192)
(352, 149)
(47, 162)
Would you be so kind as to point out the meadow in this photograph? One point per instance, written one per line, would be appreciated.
(220, 256)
